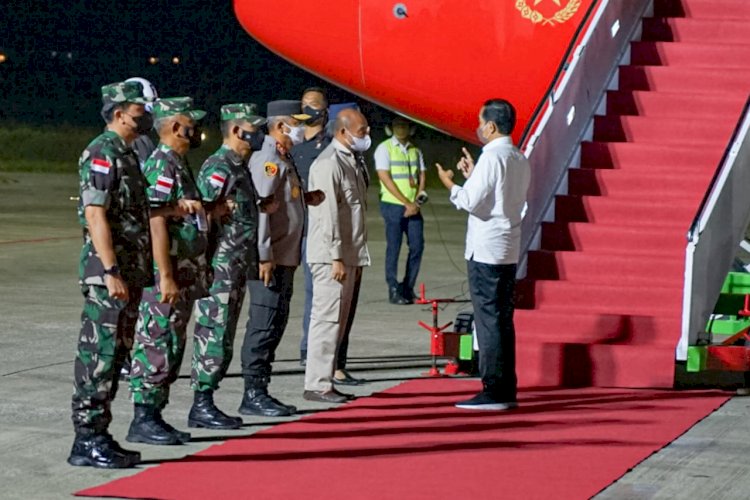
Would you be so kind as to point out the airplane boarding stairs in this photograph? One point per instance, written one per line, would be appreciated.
(602, 301)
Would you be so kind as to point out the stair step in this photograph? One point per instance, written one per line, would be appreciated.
(707, 31)
(556, 364)
(721, 57)
(588, 298)
(620, 183)
(683, 79)
(601, 209)
(704, 9)
(650, 157)
(641, 129)
(540, 325)
(669, 239)
(723, 105)
(596, 268)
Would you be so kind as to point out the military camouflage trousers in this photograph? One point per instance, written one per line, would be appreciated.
(107, 328)
(159, 347)
(216, 319)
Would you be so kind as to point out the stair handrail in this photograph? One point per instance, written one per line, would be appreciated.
(718, 226)
(573, 98)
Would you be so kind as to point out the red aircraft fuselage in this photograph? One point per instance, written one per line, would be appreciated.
(435, 61)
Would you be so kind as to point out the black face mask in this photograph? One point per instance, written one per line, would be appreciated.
(197, 138)
(254, 139)
(316, 115)
(193, 138)
(143, 123)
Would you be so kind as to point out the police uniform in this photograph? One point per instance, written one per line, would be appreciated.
(160, 333)
(111, 178)
(279, 241)
(234, 239)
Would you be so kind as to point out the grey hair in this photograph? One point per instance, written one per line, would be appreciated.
(273, 120)
(160, 123)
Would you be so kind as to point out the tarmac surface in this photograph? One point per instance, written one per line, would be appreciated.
(40, 309)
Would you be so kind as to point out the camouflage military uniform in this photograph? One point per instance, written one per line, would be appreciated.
(224, 177)
(109, 177)
(160, 333)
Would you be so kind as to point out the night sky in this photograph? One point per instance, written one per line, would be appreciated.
(59, 54)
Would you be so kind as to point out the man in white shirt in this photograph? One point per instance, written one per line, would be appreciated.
(494, 194)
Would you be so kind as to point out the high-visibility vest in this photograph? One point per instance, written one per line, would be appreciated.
(404, 172)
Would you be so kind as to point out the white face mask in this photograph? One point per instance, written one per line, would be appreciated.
(297, 134)
(360, 144)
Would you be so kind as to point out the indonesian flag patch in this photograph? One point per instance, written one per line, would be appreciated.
(101, 165)
(164, 184)
(217, 180)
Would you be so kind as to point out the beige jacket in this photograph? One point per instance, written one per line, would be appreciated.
(337, 226)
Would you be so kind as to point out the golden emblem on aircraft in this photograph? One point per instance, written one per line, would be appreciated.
(548, 17)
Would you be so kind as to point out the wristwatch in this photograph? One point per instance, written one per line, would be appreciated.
(112, 271)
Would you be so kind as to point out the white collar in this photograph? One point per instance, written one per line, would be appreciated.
(396, 142)
(498, 142)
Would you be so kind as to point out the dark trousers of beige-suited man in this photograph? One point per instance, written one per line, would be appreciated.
(331, 303)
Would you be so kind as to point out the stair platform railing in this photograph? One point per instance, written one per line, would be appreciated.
(552, 143)
(718, 227)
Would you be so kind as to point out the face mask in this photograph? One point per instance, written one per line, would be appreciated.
(193, 136)
(197, 138)
(479, 134)
(254, 139)
(316, 115)
(360, 144)
(297, 134)
(143, 123)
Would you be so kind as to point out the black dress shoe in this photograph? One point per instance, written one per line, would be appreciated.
(97, 450)
(394, 296)
(348, 396)
(331, 396)
(346, 378)
(258, 402)
(204, 413)
(147, 428)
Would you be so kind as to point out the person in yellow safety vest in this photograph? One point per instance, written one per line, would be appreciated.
(401, 171)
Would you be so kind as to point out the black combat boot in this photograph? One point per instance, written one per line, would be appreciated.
(204, 413)
(101, 451)
(182, 437)
(134, 456)
(147, 428)
(257, 401)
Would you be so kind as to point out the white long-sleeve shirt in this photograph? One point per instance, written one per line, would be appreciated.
(494, 195)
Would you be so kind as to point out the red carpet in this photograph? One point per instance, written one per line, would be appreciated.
(602, 301)
(411, 443)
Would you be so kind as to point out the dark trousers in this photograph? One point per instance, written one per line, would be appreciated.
(396, 225)
(307, 308)
(269, 313)
(492, 289)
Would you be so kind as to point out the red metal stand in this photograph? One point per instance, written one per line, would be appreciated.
(438, 334)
